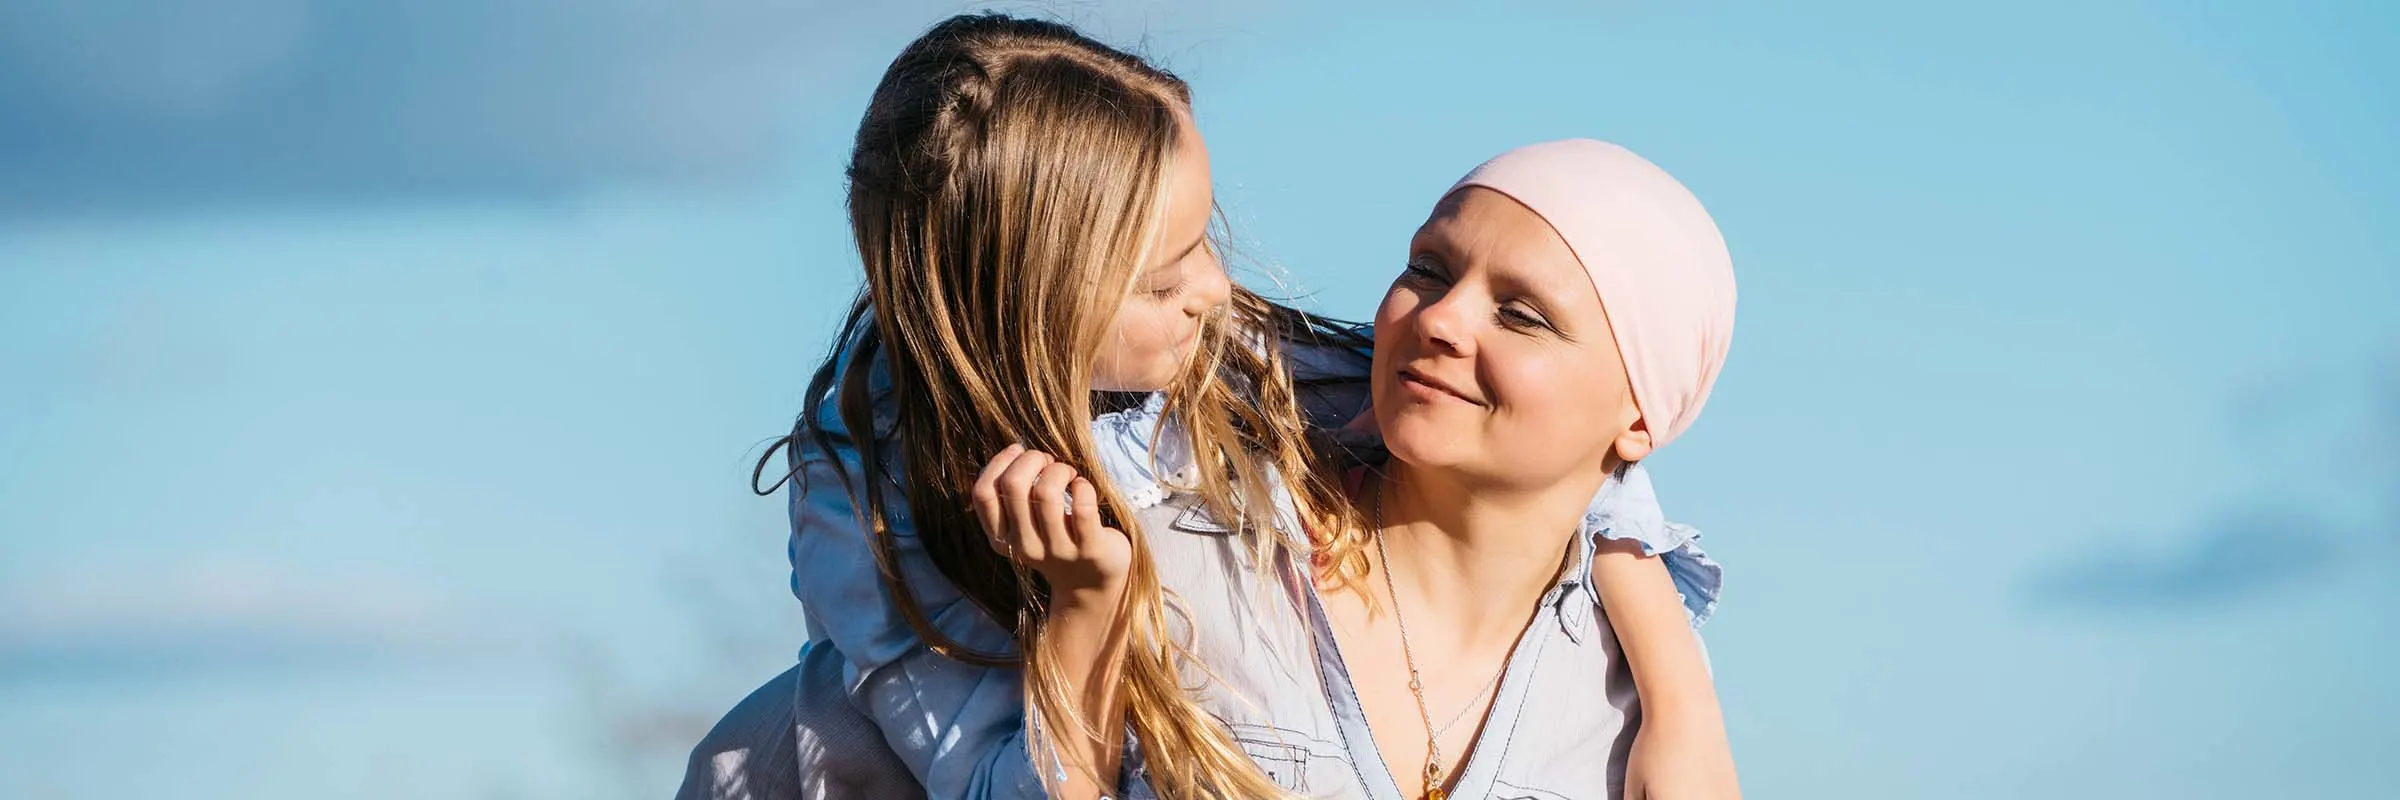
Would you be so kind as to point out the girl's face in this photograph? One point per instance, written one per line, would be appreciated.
(1493, 355)
(1159, 326)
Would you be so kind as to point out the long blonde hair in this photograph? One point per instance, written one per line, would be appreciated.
(1005, 186)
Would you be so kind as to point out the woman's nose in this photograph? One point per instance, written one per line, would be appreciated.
(1446, 323)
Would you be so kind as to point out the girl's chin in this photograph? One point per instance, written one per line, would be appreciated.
(1155, 380)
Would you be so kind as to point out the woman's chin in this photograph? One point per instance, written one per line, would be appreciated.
(1418, 444)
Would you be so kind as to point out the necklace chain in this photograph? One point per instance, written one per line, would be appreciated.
(1472, 701)
(1416, 685)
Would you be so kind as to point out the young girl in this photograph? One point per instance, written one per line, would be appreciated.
(1032, 208)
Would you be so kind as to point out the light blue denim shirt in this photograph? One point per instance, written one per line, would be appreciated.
(1565, 713)
(961, 729)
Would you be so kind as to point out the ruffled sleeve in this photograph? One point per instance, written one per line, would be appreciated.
(1631, 512)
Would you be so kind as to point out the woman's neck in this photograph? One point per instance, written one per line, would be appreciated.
(1477, 555)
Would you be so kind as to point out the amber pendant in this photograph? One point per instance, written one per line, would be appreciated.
(1433, 783)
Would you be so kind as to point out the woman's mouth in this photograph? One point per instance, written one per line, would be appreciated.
(1433, 388)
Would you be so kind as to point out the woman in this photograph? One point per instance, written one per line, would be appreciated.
(1032, 208)
(1563, 314)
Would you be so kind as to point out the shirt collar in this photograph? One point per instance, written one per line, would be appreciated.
(1626, 507)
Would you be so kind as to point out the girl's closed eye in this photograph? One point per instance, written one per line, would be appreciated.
(1166, 281)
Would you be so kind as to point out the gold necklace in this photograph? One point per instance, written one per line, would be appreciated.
(1416, 686)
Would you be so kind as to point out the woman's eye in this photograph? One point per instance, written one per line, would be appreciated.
(1420, 270)
(1169, 290)
(1518, 318)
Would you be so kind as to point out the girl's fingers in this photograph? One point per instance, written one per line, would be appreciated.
(993, 468)
(987, 490)
(985, 497)
(1049, 501)
(1085, 524)
(1015, 487)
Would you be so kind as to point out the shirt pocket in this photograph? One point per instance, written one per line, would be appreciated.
(1196, 519)
(1503, 790)
(1282, 754)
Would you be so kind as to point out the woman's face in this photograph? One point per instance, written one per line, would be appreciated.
(1157, 329)
(1493, 355)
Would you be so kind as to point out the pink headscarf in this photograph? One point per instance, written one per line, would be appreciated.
(1654, 255)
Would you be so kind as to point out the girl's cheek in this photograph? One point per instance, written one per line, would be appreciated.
(1171, 326)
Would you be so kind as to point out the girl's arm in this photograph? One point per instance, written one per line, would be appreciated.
(1648, 615)
(1046, 517)
(957, 727)
(1681, 750)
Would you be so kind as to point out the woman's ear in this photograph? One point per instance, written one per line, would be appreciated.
(1634, 444)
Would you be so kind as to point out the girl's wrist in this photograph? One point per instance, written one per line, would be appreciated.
(1088, 594)
(1677, 706)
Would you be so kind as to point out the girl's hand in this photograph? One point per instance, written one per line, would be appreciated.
(1041, 514)
(1679, 762)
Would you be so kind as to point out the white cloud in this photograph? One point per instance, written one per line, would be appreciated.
(180, 102)
(230, 611)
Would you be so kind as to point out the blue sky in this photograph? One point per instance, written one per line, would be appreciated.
(378, 381)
